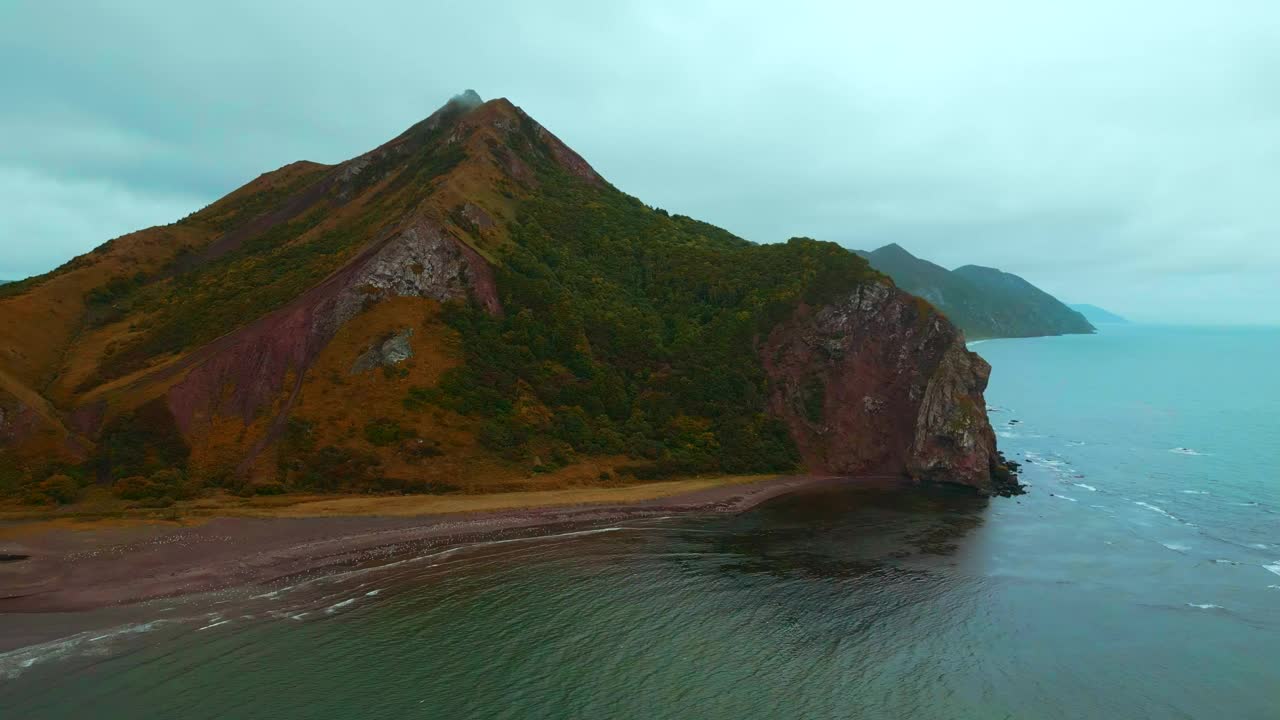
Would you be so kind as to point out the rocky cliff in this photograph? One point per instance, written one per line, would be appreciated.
(880, 383)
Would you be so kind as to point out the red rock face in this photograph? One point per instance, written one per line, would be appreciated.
(245, 373)
(17, 421)
(881, 384)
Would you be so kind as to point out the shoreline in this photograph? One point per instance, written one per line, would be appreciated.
(84, 569)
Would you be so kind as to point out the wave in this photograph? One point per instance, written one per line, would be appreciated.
(1186, 451)
(1090, 488)
(348, 574)
(1064, 497)
(1194, 492)
(338, 606)
(1155, 508)
(1176, 547)
(1273, 567)
(1206, 606)
(15, 662)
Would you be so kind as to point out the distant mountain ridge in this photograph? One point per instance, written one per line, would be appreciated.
(1097, 315)
(984, 302)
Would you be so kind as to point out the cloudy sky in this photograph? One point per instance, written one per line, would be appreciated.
(1122, 153)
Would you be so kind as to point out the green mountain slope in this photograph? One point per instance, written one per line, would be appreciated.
(984, 302)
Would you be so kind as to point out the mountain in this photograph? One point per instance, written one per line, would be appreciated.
(983, 302)
(470, 306)
(1097, 315)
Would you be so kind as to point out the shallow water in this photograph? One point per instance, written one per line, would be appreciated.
(1139, 578)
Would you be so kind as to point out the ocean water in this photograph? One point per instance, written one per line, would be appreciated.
(1138, 578)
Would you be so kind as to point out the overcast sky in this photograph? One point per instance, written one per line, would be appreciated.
(1121, 153)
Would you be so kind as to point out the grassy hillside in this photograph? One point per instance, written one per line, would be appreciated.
(625, 344)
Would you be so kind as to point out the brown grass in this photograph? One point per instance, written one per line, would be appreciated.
(100, 510)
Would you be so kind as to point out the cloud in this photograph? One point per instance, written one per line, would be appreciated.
(1119, 152)
(48, 220)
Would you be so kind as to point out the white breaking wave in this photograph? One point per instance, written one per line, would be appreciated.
(15, 662)
(1090, 488)
(1064, 497)
(1274, 567)
(337, 606)
(1153, 508)
(1186, 451)
(1206, 606)
(1194, 492)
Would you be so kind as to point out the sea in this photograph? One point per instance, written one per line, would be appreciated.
(1138, 577)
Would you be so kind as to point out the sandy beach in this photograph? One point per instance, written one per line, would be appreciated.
(58, 568)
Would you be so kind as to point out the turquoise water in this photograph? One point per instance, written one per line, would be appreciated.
(1138, 578)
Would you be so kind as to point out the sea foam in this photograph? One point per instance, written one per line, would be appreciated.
(1154, 508)
(15, 662)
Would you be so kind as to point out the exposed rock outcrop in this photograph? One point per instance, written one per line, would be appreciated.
(388, 353)
(880, 383)
(245, 373)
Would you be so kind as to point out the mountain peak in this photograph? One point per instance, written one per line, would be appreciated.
(467, 99)
(893, 249)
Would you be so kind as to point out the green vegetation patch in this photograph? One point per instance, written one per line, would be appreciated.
(629, 331)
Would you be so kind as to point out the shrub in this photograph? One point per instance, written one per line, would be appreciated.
(54, 490)
(141, 442)
(417, 449)
(413, 486)
(383, 432)
(134, 487)
(168, 484)
(336, 468)
(268, 488)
